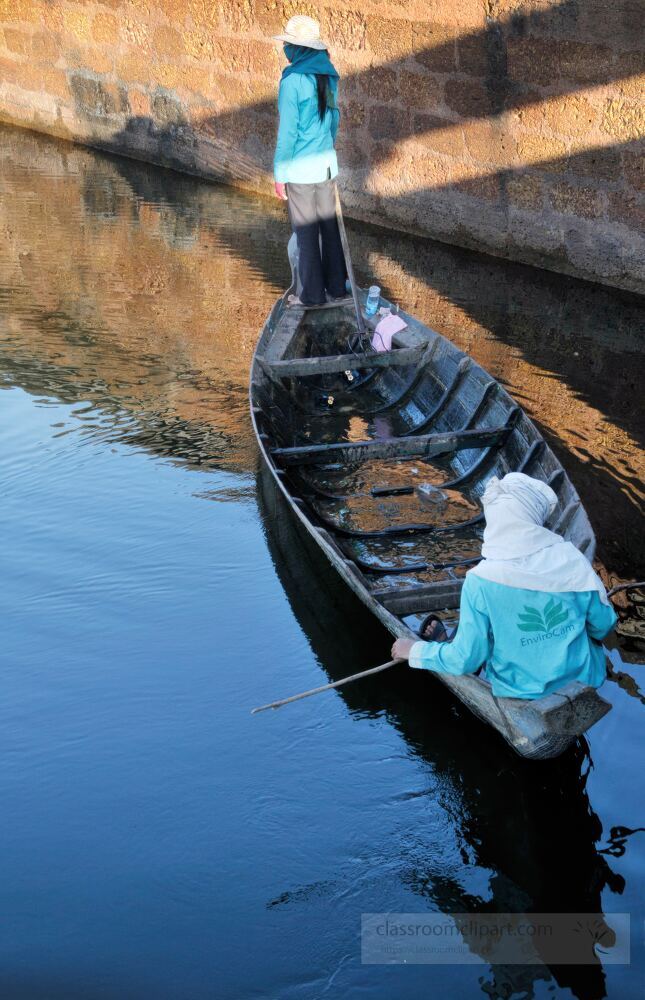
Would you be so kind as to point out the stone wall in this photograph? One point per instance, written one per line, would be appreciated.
(512, 127)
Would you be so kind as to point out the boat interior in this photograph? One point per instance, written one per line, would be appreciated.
(388, 452)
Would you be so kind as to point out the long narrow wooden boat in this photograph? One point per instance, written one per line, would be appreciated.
(383, 456)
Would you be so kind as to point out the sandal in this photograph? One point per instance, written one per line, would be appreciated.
(437, 634)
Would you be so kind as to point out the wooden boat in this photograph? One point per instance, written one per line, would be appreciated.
(383, 457)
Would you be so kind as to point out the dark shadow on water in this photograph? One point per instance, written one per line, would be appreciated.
(531, 823)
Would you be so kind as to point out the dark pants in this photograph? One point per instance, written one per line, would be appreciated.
(321, 262)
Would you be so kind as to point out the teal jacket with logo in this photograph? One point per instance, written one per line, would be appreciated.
(530, 642)
(305, 151)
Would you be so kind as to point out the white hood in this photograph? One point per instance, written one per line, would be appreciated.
(519, 551)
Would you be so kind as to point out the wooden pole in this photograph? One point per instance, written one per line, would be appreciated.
(625, 586)
(348, 263)
(326, 687)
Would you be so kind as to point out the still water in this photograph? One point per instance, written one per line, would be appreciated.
(158, 841)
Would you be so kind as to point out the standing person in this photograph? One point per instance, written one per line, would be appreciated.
(305, 164)
(532, 612)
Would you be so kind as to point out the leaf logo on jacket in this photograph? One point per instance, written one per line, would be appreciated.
(547, 620)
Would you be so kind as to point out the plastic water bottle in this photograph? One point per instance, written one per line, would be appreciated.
(373, 299)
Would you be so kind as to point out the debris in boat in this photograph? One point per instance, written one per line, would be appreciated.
(432, 495)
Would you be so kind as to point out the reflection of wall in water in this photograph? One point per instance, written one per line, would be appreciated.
(155, 263)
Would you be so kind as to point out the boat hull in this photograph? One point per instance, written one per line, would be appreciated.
(536, 729)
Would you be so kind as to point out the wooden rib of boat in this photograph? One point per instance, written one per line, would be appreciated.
(383, 457)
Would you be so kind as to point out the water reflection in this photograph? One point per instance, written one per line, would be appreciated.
(136, 296)
(532, 831)
(175, 277)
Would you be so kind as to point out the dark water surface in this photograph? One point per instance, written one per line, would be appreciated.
(157, 840)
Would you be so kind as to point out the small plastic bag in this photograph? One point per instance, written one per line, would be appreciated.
(385, 330)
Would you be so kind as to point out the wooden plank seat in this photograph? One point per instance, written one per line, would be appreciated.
(332, 364)
(410, 446)
(426, 597)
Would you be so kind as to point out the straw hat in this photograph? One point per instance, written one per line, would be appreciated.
(302, 30)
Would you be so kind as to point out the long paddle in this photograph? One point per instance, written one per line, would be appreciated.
(348, 264)
(326, 687)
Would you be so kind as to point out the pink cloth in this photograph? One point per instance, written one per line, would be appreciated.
(388, 326)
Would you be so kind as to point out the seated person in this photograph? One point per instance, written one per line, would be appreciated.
(533, 612)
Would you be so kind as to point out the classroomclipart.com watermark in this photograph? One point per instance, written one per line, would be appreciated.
(495, 938)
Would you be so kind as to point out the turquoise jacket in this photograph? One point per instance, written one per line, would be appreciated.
(531, 643)
(305, 151)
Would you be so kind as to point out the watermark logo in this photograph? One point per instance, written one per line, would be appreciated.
(495, 938)
(535, 620)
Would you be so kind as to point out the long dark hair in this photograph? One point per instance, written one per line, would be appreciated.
(325, 98)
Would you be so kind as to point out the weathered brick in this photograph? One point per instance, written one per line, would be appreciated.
(167, 109)
(45, 46)
(17, 41)
(603, 163)
(199, 42)
(40, 79)
(96, 60)
(537, 60)
(231, 58)
(95, 99)
(236, 15)
(139, 103)
(353, 114)
(264, 59)
(624, 120)
(168, 75)
(135, 32)
(628, 209)
(135, 67)
(10, 70)
(634, 168)
(268, 15)
(472, 54)
(569, 199)
(419, 90)
(439, 135)
(489, 143)
(351, 152)
(105, 28)
(629, 71)
(583, 63)
(435, 47)
(227, 91)
(485, 186)
(77, 23)
(197, 79)
(20, 10)
(343, 29)
(168, 43)
(540, 151)
(390, 38)
(525, 191)
(469, 98)
(261, 90)
(569, 115)
(378, 82)
(387, 122)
